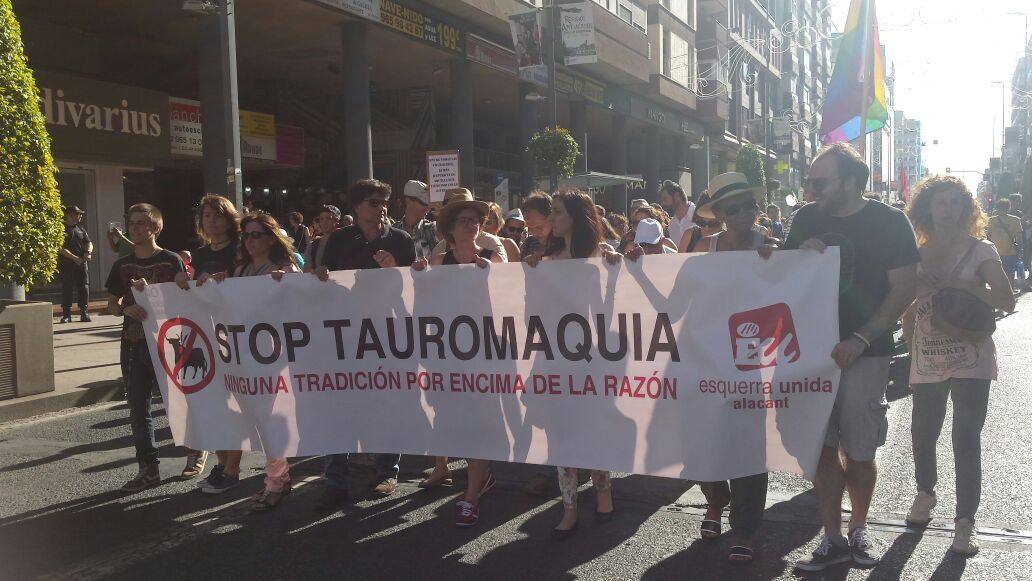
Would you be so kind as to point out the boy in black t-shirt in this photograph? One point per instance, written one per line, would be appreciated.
(148, 264)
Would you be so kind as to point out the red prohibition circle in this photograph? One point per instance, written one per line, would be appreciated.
(173, 371)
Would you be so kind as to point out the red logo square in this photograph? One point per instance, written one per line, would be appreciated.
(763, 337)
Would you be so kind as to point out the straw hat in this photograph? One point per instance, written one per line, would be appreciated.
(459, 199)
(726, 186)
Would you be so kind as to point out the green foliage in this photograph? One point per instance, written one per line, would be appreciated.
(555, 151)
(750, 163)
(31, 231)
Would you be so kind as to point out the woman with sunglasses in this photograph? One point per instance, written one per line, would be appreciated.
(576, 233)
(735, 204)
(459, 223)
(690, 240)
(264, 250)
(493, 225)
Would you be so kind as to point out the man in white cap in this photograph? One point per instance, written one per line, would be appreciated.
(422, 230)
(648, 239)
(515, 227)
(485, 240)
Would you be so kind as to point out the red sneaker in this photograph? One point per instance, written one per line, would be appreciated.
(466, 514)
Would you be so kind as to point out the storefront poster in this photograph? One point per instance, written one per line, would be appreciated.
(442, 172)
(578, 27)
(97, 120)
(290, 145)
(696, 381)
(527, 37)
(404, 18)
(185, 127)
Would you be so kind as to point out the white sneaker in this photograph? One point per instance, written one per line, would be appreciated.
(921, 511)
(964, 542)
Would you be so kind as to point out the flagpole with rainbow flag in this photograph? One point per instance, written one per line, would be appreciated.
(855, 104)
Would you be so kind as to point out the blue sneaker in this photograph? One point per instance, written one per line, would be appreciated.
(226, 482)
(827, 554)
(214, 476)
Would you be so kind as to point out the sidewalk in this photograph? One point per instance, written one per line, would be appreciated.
(86, 369)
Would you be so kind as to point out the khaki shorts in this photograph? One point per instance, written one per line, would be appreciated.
(858, 424)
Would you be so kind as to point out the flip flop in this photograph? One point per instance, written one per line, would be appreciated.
(443, 480)
(740, 555)
(710, 529)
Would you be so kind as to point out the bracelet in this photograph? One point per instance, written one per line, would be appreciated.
(867, 344)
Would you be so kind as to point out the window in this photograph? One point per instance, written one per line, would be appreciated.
(625, 14)
(683, 9)
(678, 59)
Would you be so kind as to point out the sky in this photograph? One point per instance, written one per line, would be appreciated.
(947, 53)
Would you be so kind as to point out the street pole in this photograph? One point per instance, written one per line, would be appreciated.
(553, 33)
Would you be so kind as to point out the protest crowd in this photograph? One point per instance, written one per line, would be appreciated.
(937, 267)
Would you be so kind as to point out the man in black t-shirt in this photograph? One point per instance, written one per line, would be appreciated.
(877, 283)
(369, 243)
(148, 264)
(73, 265)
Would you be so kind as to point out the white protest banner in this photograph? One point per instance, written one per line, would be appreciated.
(442, 172)
(578, 26)
(705, 366)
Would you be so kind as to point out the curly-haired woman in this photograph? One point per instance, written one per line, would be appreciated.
(950, 227)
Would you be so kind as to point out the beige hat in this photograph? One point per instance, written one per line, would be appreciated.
(457, 200)
(725, 186)
(418, 190)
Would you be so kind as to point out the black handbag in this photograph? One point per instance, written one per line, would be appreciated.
(960, 314)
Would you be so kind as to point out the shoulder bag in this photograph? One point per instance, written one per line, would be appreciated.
(960, 314)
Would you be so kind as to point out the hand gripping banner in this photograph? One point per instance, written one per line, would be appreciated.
(703, 367)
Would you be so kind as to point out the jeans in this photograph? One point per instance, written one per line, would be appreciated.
(747, 497)
(140, 384)
(75, 278)
(970, 402)
(387, 466)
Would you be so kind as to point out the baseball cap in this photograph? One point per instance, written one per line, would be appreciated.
(418, 190)
(648, 231)
(517, 215)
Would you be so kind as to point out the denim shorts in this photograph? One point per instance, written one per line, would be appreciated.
(858, 424)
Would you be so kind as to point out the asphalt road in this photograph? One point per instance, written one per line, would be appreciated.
(61, 516)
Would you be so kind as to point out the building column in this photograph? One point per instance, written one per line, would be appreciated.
(653, 160)
(220, 110)
(357, 104)
(579, 130)
(618, 160)
(528, 126)
(461, 74)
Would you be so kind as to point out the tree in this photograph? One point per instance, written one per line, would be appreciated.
(555, 151)
(750, 163)
(31, 230)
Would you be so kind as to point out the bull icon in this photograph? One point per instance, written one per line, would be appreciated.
(195, 359)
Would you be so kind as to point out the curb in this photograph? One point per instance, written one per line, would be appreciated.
(44, 403)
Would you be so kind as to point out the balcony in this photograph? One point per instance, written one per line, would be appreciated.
(713, 110)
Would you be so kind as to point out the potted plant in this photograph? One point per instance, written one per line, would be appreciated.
(555, 151)
(750, 163)
(31, 231)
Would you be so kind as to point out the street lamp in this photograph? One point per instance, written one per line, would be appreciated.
(1003, 117)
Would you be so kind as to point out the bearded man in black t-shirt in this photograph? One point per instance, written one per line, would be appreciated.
(877, 283)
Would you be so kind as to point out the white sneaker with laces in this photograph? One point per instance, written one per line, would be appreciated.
(921, 511)
(964, 542)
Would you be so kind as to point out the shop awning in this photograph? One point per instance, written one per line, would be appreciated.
(594, 179)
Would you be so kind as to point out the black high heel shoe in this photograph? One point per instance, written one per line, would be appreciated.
(563, 534)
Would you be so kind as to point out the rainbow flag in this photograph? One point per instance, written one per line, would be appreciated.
(859, 63)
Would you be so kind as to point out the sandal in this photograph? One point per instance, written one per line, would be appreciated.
(710, 529)
(740, 555)
(442, 479)
(267, 500)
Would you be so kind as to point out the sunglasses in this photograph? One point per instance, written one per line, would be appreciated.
(467, 221)
(257, 235)
(818, 184)
(747, 206)
(377, 202)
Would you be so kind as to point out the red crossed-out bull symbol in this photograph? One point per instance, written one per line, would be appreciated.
(763, 337)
